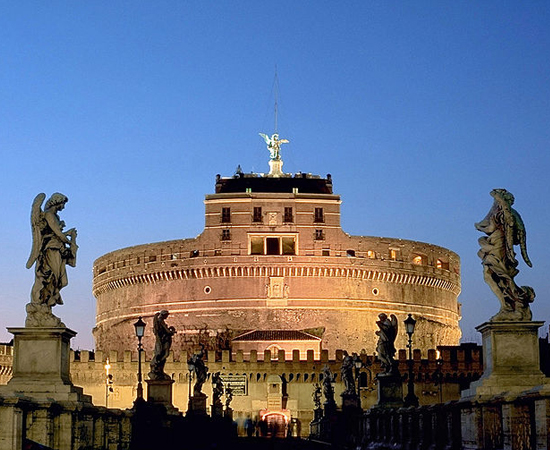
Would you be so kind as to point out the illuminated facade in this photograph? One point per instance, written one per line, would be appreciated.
(273, 256)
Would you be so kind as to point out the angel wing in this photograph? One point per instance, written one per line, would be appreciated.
(520, 237)
(395, 326)
(510, 225)
(37, 224)
(284, 141)
(266, 138)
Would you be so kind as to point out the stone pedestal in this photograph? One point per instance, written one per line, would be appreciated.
(350, 401)
(317, 414)
(217, 410)
(390, 391)
(510, 359)
(41, 365)
(197, 405)
(228, 413)
(276, 167)
(159, 392)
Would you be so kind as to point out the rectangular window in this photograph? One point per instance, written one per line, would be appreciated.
(226, 235)
(289, 246)
(319, 216)
(350, 253)
(326, 252)
(226, 215)
(257, 246)
(257, 217)
(319, 235)
(288, 218)
(272, 246)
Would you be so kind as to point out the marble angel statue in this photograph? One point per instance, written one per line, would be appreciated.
(504, 229)
(52, 250)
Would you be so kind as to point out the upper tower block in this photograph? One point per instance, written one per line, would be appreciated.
(300, 183)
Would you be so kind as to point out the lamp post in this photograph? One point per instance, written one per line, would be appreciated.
(410, 399)
(358, 363)
(140, 331)
(107, 385)
(439, 375)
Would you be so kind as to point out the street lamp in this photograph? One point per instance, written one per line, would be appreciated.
(358, 363)
(108, 378)
(140, 331)
(439, 375)
(410, 399)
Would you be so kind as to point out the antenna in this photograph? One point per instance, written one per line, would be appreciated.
(276, 89)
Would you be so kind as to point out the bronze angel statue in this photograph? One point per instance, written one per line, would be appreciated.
(274, 145)
(387, 333)
(504, 229)
(52, 250)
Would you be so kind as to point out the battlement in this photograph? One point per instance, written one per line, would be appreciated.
(465, 355)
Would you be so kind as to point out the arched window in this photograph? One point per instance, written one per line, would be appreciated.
(418, 260)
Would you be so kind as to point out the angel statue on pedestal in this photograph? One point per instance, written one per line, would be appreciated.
(52, 250)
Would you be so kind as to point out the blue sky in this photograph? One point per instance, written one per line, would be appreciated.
(417, 109)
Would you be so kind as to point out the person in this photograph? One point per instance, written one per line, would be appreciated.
(52, 250)
(386, 342)
(163, 334)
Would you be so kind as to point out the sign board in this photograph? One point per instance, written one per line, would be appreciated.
(237, 383)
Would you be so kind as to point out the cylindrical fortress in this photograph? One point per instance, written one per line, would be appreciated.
(273, 256)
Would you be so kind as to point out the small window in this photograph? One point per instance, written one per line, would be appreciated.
(319, 235)
(217, 252)
(417, 260)
(288, 217)
(152, 258)
(393, 254)
(226, 215)
(442, 264)
(319, 215)
(326, 252)
(226, 235)
(371, 254)
(350, 253)
(257, 216)
(194, 253)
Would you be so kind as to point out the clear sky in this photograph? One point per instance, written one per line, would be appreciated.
(130, 108)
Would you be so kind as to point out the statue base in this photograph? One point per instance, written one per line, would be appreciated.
(350, 401)
(275, 167)
(41, 365)
(510, 358)
(228, 413)
(390, 391)
(329, 409)
(317, 414)
(197, 405)
(217, 410)
(159, 392)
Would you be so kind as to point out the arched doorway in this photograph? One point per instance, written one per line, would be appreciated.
(276, 425)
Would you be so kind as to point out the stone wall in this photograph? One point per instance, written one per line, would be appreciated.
(342, 293)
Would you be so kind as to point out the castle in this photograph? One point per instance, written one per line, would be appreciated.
(273, 270)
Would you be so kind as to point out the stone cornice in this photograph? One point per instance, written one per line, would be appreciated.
(236, 271)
